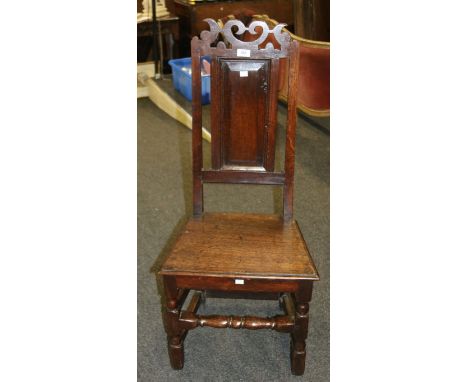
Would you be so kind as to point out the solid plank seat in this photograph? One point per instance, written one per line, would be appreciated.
(220, 244)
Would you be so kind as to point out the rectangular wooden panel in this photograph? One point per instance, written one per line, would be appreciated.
(243, 112)
(243, 124)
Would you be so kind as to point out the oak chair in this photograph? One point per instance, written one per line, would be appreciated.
(235, 252)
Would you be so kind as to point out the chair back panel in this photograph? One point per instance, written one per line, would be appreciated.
(244, 95)
(243, 135)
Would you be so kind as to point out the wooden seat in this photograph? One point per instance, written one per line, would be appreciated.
(221, 244)
(235, 252)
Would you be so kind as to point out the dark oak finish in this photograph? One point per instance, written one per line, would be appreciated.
(243, 137)
(251, 177)
(241, 253)
(175, 334)
(189, 320)
(228, 283)
(220, 244)
(278, 323)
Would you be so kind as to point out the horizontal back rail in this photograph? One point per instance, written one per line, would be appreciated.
(243, 177)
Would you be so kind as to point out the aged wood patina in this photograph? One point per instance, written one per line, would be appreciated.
(238, 252)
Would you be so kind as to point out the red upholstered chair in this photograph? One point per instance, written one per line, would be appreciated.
(314, 73)
(239, 252)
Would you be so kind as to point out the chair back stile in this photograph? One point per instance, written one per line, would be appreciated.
(290, 151)
(244, 95)
(197, 144)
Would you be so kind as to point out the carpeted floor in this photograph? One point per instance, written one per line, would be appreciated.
(164, 201)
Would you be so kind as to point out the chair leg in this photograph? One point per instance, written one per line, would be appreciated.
(175, 337)
(175, 346)
(299, 335)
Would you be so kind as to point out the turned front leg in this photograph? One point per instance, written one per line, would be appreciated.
(175, 340)
(299, 334)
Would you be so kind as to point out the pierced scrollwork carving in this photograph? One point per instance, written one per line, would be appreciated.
(211, 35)
(208, 37)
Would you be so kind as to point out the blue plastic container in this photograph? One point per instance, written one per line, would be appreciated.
(182, 78)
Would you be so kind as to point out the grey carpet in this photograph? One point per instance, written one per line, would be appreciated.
(164, 201)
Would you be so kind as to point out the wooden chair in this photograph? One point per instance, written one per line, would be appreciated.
(235, 252)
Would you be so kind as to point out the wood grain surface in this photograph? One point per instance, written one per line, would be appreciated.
(244, 244)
